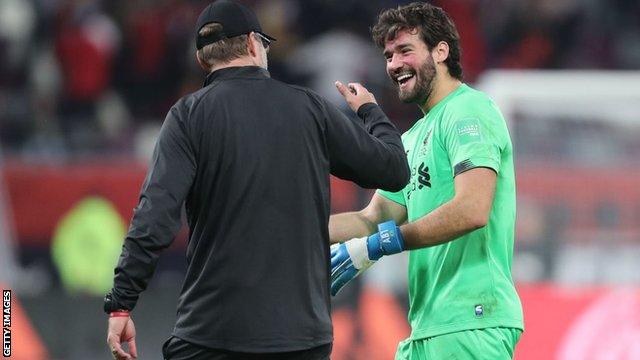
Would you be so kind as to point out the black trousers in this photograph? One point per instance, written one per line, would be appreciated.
(178, 349)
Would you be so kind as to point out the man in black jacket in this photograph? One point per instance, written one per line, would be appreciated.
(250, 158)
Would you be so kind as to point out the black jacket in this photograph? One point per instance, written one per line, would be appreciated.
(250, 157)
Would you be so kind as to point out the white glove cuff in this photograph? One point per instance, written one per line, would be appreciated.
(357, 249)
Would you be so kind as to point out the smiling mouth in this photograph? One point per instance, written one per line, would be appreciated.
(403, 78)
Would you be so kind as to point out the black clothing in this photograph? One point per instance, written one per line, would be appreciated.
(177, 349)
(235, 18)
(250, 157)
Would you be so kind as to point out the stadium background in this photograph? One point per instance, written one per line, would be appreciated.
(85, 85)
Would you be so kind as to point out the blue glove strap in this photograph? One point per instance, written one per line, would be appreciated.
(387, 241)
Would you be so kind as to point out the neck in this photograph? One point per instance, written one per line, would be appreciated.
(243, 61)
(442, 86)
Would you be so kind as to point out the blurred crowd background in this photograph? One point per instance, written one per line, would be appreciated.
(88, 77)
(85, 86)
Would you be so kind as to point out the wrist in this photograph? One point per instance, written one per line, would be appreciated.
(357, 250)
(387, 241)
(363, 108)
(112, 305)
(119, 313)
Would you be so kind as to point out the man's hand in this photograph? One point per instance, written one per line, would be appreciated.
(121, 330)
(353, 257)
(355, 94)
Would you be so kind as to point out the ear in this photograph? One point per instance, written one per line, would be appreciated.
(440, 52)
(202, 63)
(253, 51)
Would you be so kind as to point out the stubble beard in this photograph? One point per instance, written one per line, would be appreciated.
(423, 87)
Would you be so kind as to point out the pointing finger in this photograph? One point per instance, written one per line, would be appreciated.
(341, 88)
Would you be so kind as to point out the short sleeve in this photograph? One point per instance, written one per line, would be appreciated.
(397, 197)
(473, 141)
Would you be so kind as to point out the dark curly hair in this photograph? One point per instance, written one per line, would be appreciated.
(431, 21)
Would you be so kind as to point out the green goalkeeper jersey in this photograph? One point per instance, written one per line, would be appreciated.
(465, 283)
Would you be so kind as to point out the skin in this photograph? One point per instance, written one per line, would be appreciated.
(122, 329)
(470, 207)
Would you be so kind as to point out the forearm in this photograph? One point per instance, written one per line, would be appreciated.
(393, 160)
(145, 241)
(446, 223)
(132, 275)
(349, 225)
(371, 155)
(157, 218)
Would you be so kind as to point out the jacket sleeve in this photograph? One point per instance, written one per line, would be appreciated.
(157, 218)
(370, 154)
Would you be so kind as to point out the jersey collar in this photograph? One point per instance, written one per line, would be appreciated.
(237, 72)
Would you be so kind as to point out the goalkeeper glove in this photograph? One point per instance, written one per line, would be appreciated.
(351, 258)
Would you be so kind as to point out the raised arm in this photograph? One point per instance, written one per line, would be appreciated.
(370, 154)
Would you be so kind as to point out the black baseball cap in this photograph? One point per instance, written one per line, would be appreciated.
(236, 19)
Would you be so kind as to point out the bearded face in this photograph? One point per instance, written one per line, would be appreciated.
(415, 85)
(410, 67)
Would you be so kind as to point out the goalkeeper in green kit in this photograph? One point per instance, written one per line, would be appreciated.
(456, 216)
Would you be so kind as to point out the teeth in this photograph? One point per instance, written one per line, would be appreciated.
(404, 77)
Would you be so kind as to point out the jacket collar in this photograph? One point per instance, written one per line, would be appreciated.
(237, 72)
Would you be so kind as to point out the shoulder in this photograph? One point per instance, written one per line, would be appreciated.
(303, 91)
(184, 110)
(471, 101)
(309, 95)
(188, 102)
(473, 104)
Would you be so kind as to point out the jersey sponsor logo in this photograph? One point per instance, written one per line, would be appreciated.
(422, 180)
(471, 130)
(423, 176)
(468, 130)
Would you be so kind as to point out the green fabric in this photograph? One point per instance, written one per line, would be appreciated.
(86, 246)
(484, 344)
(465, 283)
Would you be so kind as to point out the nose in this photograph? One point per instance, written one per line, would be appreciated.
(394, 64)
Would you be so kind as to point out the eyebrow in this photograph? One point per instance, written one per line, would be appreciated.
(387, 53)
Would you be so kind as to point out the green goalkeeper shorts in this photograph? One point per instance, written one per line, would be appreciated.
(491, 344)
